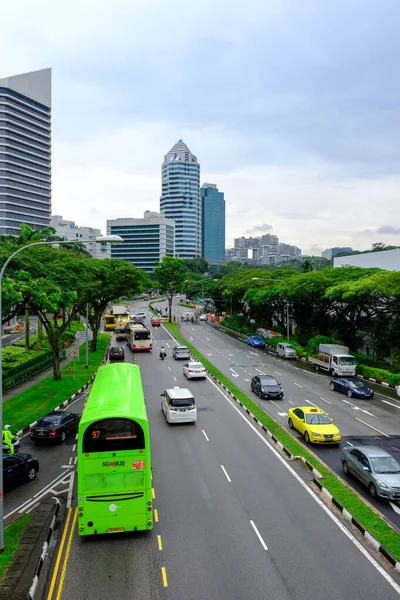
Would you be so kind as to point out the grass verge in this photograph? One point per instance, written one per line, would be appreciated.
(26, 407)
(12, 537)
(378, 528)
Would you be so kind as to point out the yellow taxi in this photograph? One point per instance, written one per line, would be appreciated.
(314, 424)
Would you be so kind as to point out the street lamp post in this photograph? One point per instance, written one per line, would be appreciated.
(111, 239)
(287, 302)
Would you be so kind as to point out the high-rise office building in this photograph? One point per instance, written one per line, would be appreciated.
(180, 199)
(332, 252)
(146, 241)
(25, 151)
(213, 222)
(70, 231)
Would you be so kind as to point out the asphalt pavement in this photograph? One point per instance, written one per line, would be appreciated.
(375, 422)
(234, 519)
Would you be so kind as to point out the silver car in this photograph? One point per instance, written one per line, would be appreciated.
(375, 468)
(181, 352)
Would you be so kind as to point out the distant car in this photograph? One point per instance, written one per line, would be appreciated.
(117, 353)
(351, 386)
(256, 341)
(314, 424)
(55, 426)
(378, 470)
(203, 318)
(194, 370)
(18, 468)
(181, 352)
(266, 386)
(140, 316)
(155, 321)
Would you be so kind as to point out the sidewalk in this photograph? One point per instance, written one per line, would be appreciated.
(46, 373)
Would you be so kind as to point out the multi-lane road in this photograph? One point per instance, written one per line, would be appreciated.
(234, 518)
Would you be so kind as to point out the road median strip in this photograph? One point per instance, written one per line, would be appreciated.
(370, 524)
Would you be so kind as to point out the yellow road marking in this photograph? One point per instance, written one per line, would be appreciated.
(159, 542)
(67, 553)
(156, 515)
(153, 493)
(164, 576)
(60, 551)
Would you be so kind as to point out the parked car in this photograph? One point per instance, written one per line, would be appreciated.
(117, 353)
(314, 424)
(378, 470)
(18, 468)
(351, 386)
(256, 341)
(55, 426)
(266, 386)
(285, 350)
(155, 321)
(181, 352)
(194, 370)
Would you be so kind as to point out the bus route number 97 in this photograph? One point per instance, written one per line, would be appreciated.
(96, 434)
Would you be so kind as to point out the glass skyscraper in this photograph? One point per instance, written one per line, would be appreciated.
(25, 151)
(180, 199)
(213, 222)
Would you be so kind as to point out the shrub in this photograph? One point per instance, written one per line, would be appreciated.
(239, 324)
(379, 374)
(314, 342)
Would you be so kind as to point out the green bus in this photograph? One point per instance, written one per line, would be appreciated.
(114, 464)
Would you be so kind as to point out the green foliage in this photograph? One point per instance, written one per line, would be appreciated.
(395, 357)
(379, 374)
(171, 273)
(239, 324)
(197, 265)
(12, 538)
(19, 365)
(313, 343)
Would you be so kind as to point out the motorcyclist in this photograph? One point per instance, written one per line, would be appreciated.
(163, 354)
(9, 438)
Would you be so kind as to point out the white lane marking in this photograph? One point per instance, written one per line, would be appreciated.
(70, 488)
(205, 435)
(275, 404)
(234, 372)
(70, 460)
(76, 437)
(258, 534)
(391, 403)
(290, 401)
(261, 372)
(349, 443)
(309, 491)
(46, 488)
(166, 343)
(66, 466)
(395, 507)
(226, 474)
(175, 378)
(247, 379)
(312, 403)
(169, 367)
(367, 413)
(282, 414)
(280, 374)
(74, 448)
(298, 385)
(209, 354)
(324, 400)
(207, 339)
(75, 460)
(368, 425)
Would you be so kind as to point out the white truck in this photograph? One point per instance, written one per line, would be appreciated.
(335, 359)
(119, 310)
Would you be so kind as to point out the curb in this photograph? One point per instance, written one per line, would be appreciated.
(25, 430)
(317, 475)
(40, 562)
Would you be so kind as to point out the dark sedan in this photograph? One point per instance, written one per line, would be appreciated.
(18, 468)
(54, 427)
(117, 353)
(266, 386)
(351, 386)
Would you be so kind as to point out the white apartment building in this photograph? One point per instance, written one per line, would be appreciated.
(72, 232)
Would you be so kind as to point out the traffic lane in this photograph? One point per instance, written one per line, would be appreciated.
(330, 454)
(9, 339)
(378, 416)
(210, 547)
(56, 462)
(290, 525)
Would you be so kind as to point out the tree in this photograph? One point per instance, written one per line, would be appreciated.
(108, 279)
(171, 274)
(197, 265)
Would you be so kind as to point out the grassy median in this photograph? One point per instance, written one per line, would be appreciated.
(12, 538)
(378, 528)
(26, 407)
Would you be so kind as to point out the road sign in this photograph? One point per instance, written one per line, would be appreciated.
(74, 353)
(81, 335)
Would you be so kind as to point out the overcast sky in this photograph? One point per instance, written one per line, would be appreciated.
(291, 106)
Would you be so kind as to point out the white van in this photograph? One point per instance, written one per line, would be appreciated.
(286, 350)
(178, 405)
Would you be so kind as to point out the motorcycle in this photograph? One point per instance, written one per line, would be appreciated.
(163, 355)
(16, 444)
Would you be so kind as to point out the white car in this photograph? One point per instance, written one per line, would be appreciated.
(194, 370)
(140, 316)
(203, 318)
(178, 405)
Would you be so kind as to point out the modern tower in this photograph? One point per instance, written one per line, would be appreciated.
(213, 222)
(25, 151)
(180, 199)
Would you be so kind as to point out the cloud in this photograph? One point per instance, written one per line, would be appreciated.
(388, 229)
(260, 228)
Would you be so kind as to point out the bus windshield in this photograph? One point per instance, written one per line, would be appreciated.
(110, 435)
(142, 335)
